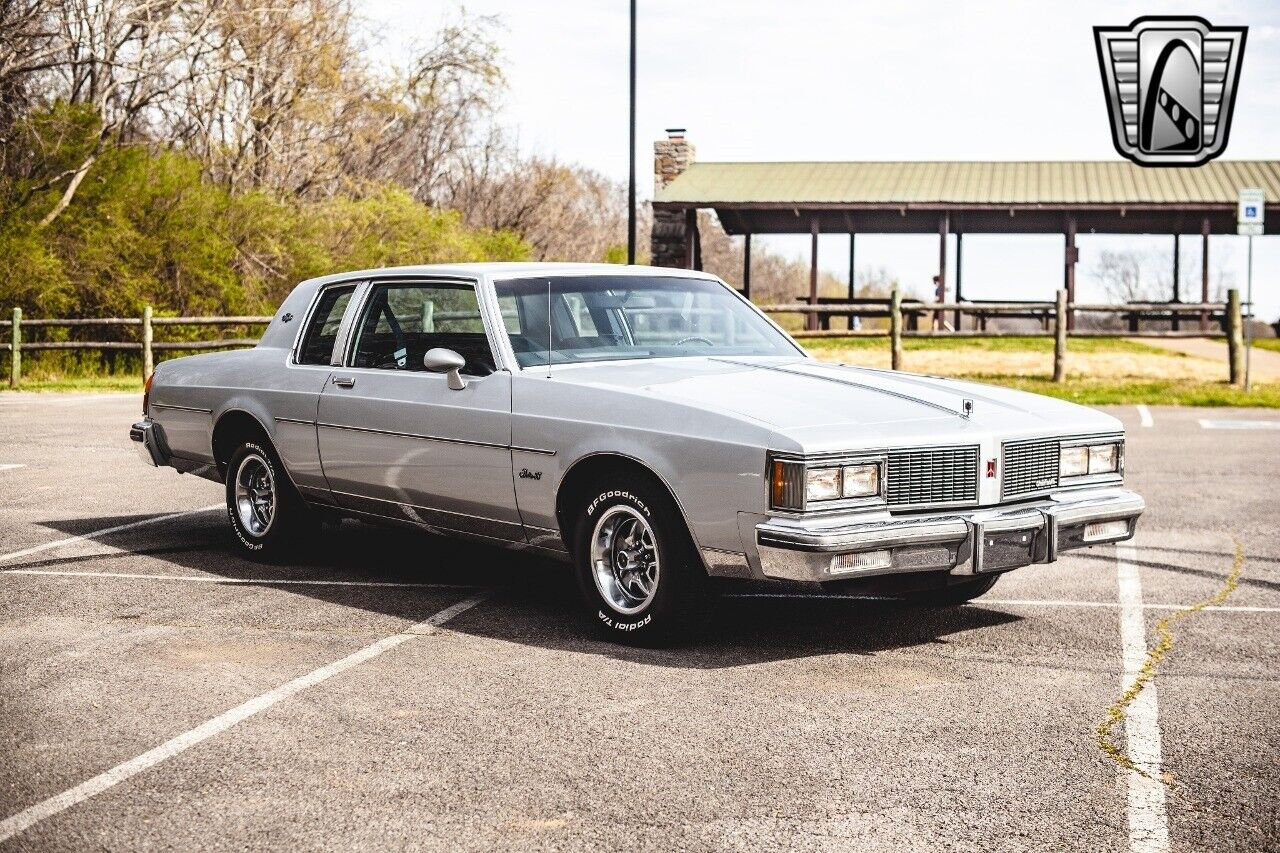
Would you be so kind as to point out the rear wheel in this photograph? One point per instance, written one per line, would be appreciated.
(266, 512)
(954, 594)
(637, 568)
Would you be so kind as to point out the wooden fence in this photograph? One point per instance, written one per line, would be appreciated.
(145, 343)
(1060, 310)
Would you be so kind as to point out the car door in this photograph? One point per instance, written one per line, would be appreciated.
(395, 439)
(294, 397)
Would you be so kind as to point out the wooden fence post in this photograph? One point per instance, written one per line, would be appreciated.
(15, 349)
(1060, 338)
(148, 360)
(895, 329)
(1235, 337)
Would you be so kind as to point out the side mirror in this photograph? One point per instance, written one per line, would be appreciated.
(441, 360)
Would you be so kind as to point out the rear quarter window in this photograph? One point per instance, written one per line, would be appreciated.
(322, 331)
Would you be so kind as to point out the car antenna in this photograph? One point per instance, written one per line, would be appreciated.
(548, 328)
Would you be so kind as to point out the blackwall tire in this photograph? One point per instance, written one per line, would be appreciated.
(637, 568)
(267, 515)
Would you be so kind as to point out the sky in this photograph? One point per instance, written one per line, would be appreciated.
(852, 80)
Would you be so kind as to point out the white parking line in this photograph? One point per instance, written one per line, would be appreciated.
(1148, 821)
(22, 820)
(214, 579)
(85, 537)
(1007, 602)
(10, 466)
(1144, 416)
(1208, 424)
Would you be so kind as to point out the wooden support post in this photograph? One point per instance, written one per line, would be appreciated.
(1070, 256)
(1174, 323)
(940, 291)
(1204, 272)
(746, 266)
(690, 237)
(895, 329)
(959, 271)
(853, 271)
(811, 321)
(148, 359)
(15, 349)
(1060, 338)
(1235, 337)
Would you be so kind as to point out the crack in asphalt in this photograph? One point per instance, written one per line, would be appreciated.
(1156, 654)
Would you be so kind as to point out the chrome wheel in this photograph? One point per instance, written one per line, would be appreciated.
(624, 559)
(255, 494)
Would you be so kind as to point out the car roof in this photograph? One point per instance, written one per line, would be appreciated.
(510, 269)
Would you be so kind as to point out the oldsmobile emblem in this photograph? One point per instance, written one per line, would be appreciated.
(1171, 85)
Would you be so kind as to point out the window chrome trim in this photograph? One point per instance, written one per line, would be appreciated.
(348, 353)
(295, 354)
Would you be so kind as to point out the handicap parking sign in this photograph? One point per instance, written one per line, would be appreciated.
(1250, 212)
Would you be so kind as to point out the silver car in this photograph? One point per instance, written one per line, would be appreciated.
(649, 425)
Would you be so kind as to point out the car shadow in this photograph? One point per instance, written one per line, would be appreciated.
(532, 600)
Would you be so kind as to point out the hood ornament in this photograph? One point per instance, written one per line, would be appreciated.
(966, 408)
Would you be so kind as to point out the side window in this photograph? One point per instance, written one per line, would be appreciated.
(403, 321)
(317, 343)
(583, 325)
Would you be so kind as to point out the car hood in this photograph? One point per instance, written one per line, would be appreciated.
(817, 403)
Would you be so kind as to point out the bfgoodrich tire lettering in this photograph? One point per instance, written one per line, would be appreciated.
(637, 569)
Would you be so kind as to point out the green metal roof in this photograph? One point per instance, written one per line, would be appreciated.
(976, 183)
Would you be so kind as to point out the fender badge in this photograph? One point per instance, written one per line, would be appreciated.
(286, 318)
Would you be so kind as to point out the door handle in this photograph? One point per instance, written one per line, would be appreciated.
(344, 381)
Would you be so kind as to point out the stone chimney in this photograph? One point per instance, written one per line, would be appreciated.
(669, 244)
(671, 156)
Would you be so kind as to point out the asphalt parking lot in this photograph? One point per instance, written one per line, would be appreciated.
(396, 690)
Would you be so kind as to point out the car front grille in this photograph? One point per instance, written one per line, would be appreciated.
(1030, 467)
(936, 475)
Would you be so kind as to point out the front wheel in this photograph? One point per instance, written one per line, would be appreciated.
(637, 568)
(266, 513)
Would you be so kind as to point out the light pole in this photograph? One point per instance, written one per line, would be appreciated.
(631, 149)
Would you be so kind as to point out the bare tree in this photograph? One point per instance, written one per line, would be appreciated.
(28, 50)
(122, 58)
(436, 117)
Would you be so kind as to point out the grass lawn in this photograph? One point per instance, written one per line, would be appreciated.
(78, 384)
(1100, 371)
(1094, 392)
(1272, 344)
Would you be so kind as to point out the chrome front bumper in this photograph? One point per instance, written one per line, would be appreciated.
(150, 440)
(993, 539)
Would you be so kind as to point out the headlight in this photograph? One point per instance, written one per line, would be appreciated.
(1087, 459)
(1104, 458)
(821, 484)
(861, 481)
(798, 486)
(1074, 462)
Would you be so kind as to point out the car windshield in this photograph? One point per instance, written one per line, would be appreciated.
(611, 317)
